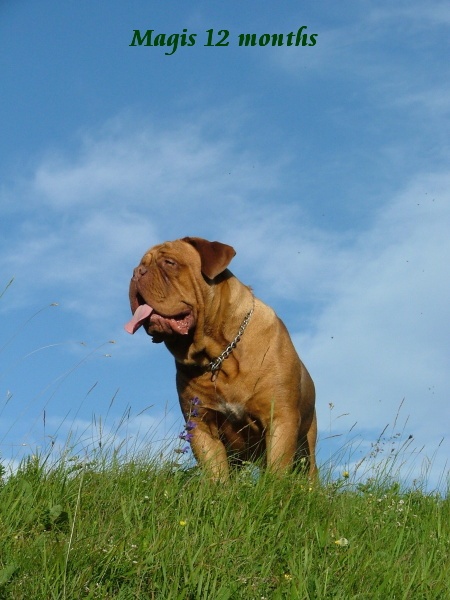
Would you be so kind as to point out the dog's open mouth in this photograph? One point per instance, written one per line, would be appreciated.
(146, 315)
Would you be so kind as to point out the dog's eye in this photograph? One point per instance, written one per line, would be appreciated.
(169, 262)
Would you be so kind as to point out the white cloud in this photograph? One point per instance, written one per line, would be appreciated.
(83, 222)
(392, 56)
(384, 335)
(145, 168)
(419, 14)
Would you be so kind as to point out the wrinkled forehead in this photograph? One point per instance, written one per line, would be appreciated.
(178, 250)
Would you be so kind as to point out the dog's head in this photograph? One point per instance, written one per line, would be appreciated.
(168, 285)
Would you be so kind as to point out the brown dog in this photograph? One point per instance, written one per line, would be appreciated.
(243, 390)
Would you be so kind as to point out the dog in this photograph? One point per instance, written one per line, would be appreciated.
(244, 392)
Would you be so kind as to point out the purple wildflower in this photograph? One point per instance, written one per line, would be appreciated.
(184, 435)
(195, 402)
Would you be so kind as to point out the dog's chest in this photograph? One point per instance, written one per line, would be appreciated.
(232, 411)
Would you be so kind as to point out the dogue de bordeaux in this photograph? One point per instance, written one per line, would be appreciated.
(243, 390)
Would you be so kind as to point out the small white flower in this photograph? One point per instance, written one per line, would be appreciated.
(342, 541)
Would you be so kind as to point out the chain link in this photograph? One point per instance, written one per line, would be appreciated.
(216, 363)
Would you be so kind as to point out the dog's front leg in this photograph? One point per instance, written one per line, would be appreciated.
(210, 454)
(281, 443)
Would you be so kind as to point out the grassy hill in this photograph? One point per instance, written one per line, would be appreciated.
(140, 529)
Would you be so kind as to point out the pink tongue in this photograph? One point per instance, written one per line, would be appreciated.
(142, 312)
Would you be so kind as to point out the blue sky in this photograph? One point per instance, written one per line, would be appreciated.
(326, 167)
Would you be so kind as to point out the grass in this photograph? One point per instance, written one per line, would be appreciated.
(123, 524)
(141, 529)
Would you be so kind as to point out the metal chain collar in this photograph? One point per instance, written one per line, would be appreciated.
(216, 363)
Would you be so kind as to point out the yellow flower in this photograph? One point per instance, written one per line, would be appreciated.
(288, 577)
(183, 523)
(346, 474)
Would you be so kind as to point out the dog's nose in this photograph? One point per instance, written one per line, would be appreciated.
(142, 270)
(138, 272)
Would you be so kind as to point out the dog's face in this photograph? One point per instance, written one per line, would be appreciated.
(168, 285)
(161, 299)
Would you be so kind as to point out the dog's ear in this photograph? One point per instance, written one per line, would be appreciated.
(215, 256)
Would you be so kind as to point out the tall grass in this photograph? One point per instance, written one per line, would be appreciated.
(148, 529)
(97, 518)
